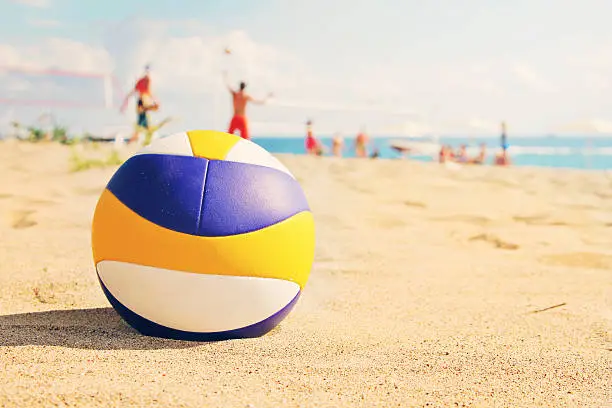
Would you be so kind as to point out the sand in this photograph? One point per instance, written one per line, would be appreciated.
(431, 287)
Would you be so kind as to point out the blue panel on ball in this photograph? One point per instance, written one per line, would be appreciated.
(240, 198)
(165, 189)
(149, 328)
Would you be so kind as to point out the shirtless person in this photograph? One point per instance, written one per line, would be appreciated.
(240, 99)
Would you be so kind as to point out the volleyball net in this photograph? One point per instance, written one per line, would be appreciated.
(88, 102)
(34, 97)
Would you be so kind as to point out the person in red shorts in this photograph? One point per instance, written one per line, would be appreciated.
(240, 100)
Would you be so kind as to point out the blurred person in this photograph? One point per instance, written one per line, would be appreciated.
(310, 143)
(502, 158)
(361, 142)
(240, 99)
(462, 156)
(480, 158)
(146, 102)
(337, 145)
(450, 153)
(503, 137)
(443, 154)
(446, 154)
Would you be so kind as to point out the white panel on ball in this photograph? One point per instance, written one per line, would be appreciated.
(246, 151)
(177, 144)
(192, 301)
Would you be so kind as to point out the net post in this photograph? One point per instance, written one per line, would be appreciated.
(108, 92)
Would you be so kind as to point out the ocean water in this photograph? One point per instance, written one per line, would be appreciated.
(593, 153)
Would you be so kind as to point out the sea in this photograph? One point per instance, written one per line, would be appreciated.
(591, 153)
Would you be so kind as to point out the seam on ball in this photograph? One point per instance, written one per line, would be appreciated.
(202, 197)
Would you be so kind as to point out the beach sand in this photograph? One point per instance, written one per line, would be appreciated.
(430, 287)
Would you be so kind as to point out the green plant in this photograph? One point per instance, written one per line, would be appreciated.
(79, 163)
(35, 134)
(59, 134)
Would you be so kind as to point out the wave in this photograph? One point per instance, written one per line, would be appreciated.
(559, 151)
(428, 148)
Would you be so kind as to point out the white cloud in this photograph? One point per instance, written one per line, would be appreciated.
(591, 67)
(596, 81)
(44, 23)
(482, 125)
(59, 53)
(413, 128)
(473, 126)
(480, 78)
(586, 126)
(8, 54)
(193, 64)
(595, 57)
(479, 69)
(33, 3)
(17, 85)
(525, 73)
(529, 77)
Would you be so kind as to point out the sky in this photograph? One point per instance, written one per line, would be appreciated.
(405, 67)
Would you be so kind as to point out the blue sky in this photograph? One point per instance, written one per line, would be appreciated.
(407, 67)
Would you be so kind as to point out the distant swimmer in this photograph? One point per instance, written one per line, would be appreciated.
(462, 156)
(446, 154)
(502, 158)
(480, 158)
(337, 145)
(146, 102)
(240, 100)
(443, 154)
(361, 142)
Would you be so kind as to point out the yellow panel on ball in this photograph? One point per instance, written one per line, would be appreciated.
(211, 144)
(281, 251)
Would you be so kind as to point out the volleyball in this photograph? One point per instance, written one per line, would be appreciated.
(148, 102)
(203, 235)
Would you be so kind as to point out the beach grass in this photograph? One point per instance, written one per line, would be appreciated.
(80, 163)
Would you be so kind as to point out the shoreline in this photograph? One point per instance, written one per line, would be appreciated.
(125, 151)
